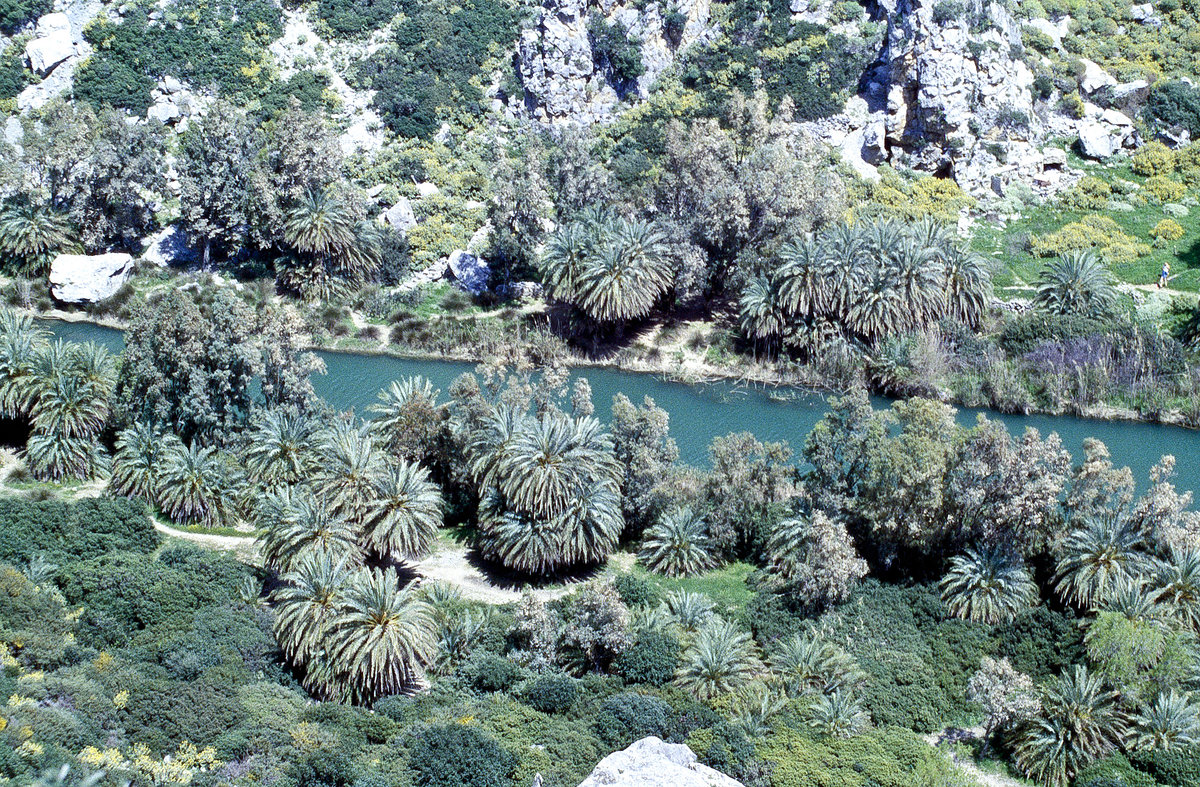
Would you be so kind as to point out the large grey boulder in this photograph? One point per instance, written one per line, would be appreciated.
(652, 763)
(83, 278)
(1094, 77)
(469, 272)
(168, 246)
(1098, 140)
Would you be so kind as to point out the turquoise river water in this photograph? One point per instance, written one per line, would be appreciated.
(701, 412)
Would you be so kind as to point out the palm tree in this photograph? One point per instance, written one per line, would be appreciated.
(279, 448)
(968, 286)
(627, 274)
(677, 545)
(565, 258)
(69, 406)
(838, 715)
(295, 524)
(1076, 283)
(1178, 585)
(808, 664)
(761, 309)
(754, 707)
(141, 451)
(1081, 722)
(878, 308)
(405, 513)
(1097, 556)
(404, 415)
(720, 661)
(1172, 721)
(382, 637)
(192, 485)
(802, 285)
(690, 610)
(988, 585)
(308, 603)
(349, 465)
(319, 224)
(31, 234)
(55, 457)
(20, 341)
(918, 276)
(328, 242)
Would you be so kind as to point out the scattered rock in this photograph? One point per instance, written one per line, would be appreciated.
(427, 189)
(469, 272)
(52, 43)
(1094, 77)
(521, 290)
(82, 278)
(1097, 141)
(652, 763)
(400, 216)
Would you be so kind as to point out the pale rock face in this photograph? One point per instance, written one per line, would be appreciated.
(400, 216)
(82, 278)
(168, 246)
(1101, 140)
(1056, 30)
(51, 45)
(1094, 77)
(562, 85)
(56, 49)
(652, 763)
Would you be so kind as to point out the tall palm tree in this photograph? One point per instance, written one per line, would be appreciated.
(690, 610)
(878, 308)
(328, 241)
(404, 414)
(1178, 585)
(279, 448)
(720, 661)
(1098, 555)
(1081, 722)
(307, 603)
(565, 259)
(193, 486)
(69, 406)
(20, 341)
(627, 274)
(349, 465)
(141, 452)
(968, 286)
(918, 276)
(1172, 721)
(1076, 283)
(802, 283)
(761, 310)
(808, 664)
(678, 545)
(383, 636)
(295, 524)
(31, 234)
(988, 585)
(404, 514)
(319, 223)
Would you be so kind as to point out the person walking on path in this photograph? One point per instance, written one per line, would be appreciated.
(1165, 276)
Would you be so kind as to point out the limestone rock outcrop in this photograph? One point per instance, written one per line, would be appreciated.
(561, 82)
(652, 763)
(57, 47)
(84, 278)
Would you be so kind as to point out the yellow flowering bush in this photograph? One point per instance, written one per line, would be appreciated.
(1166, 231)
(1159, 189)
(121, 699)
(925, 196)
(1090, 193)
(1153, 159)
(18, 701)
(1091, 232)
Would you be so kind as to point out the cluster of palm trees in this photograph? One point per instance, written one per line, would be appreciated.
(1141, 595)
(1077, 283)
(864, 282)
(611, 268)
(549, 488)
(62, 390)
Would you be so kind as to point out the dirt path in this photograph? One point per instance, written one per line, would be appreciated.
(967, 765)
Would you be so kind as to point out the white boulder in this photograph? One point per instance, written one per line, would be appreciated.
(83, 278)
(1094, 77)
(51, 44)
(1097, 140)
(651, 762)
(168, 246)
(427, 189)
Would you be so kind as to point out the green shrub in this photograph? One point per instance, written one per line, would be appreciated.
(627, 717)
(1090, 193)
(458, 755)
(1025, 332)
(1177, 767)
(323, 769)
(879, 758)
(1154, 158)
(163, 714)
(306, 87)
(1114, 771)
(352, 18)
(1175, 103)
(636, 590)
(614, 51)
(551, 693)
(62, 532)
(1042, 642)
(947, 11)
(15, 13)
(653, 658)
(489, 672)
(13, 74)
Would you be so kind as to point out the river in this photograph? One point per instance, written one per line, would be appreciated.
(701, 412)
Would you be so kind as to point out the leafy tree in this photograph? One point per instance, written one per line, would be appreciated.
(216, 158)
(597, 627)
(408, 421)
(615, 52)
(647, 454)
(454, 755)
(15, 13)
(287, 368)
(747, 492)
(815, 559)
(1007, 697)
(988, 586)
(518, 209)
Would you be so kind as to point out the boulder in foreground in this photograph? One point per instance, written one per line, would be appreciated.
(83, 278)
(651, 762)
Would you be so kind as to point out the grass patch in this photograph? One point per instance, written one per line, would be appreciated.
(726, 586)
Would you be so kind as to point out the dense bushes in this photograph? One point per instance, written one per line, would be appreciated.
(550, 693)
(653, 658)
(459, 756)
(15, 13)
(59, 531)
(625, 718)
(425, 76)
(1175, 103)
